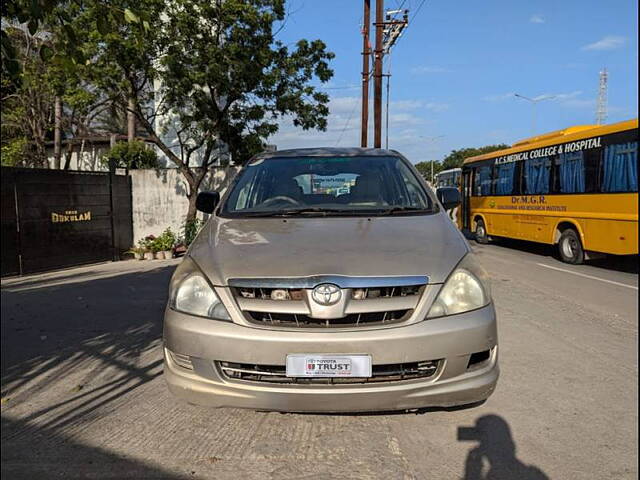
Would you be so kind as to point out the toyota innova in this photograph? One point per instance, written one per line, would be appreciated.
(330, 280)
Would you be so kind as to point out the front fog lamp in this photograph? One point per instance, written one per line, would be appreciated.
(466, 289)
(195, 296)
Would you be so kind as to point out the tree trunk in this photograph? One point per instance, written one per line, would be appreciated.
(131, 120)
(191, 211)
(57, 134)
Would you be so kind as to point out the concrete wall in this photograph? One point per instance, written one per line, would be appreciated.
(160, 198)
(85, 157)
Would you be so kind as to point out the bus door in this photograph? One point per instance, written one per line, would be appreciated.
(465, 190)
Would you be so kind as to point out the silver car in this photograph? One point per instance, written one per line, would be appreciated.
(330, 280)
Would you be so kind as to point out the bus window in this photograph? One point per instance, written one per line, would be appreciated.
(571, 172)
(505, 175)
(482, 181)
(536, 176)
(620, 168)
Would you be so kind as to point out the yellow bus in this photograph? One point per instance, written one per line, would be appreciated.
(576, 188)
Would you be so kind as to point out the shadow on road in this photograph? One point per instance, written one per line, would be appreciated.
(494, 458)
(619, 263)
(45, 454)
(71, 347)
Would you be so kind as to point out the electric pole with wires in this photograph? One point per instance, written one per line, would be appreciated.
(366, 52)
(388, 30)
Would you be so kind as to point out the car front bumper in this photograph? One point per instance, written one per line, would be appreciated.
(451, 340)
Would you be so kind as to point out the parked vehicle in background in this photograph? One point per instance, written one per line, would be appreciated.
(576, 188)
(357, 296)
(449, 178)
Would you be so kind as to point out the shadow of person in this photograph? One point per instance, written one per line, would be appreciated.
(495, 456)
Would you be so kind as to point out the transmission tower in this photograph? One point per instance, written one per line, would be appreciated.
(601, 109)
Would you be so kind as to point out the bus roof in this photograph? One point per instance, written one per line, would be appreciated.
(450, 170)
(559, 136)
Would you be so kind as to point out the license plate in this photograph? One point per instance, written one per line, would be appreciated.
(323, 365)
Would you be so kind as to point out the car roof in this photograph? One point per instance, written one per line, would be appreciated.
(328, 151)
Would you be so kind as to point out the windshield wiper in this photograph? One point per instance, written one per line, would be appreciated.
(405, 209)
(311, 211)
(292, 212)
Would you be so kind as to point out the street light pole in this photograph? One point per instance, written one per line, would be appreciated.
(534, 103)
(431, 139)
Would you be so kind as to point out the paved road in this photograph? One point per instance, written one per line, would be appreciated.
(83, 396)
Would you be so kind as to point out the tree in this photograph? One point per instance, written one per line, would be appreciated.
(27, 106)
(200, 76)
(425, 168)
(131, 155)
(456, 158)
(227, 93)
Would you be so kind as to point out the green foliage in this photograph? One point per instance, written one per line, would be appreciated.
(191, 229)
(131, 155)
(251, 77)
(457, 157)
(14, 152)
(214, 71)
(425, 168)
(137, 250)
(147, 244)
(166, 240)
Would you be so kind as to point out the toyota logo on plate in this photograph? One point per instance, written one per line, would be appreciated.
(326, 294)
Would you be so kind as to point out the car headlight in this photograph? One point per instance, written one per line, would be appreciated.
(467, 288)
(192, 293)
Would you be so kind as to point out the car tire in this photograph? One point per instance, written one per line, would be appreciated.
(481, 232)
(570, 247)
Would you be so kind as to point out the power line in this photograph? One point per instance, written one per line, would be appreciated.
(418, 9)
(346, 124)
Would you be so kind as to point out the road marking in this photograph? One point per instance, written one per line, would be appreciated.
(588, 276)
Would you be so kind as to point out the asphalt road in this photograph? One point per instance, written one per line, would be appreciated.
(83, 395)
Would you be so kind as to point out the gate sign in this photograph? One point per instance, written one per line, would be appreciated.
(70, 216)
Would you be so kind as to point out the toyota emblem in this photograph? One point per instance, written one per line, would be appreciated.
(326, 294)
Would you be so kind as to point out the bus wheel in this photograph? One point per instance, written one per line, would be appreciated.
(570, 247)
(481, 232)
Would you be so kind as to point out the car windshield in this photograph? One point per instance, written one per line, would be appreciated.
(327, 186)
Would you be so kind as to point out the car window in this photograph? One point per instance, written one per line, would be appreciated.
(349, 184)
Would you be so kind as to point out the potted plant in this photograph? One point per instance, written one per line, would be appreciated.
(166, 241)
(156, 248)
(149, 245)
(138, 252)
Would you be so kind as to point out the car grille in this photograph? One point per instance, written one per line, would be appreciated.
(354, 319)
(380, 373)
(364, 301)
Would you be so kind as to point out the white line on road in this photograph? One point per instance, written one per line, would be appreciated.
(588, 276)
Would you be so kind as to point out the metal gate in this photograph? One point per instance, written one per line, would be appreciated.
(54, 218)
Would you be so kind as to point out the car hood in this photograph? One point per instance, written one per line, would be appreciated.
(353, 246)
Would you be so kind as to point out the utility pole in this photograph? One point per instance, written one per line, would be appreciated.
(387, 33)
(386, 114)
(366, 52)
(377, 76)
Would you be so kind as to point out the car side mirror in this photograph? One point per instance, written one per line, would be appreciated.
(206, 201)
(449, 197)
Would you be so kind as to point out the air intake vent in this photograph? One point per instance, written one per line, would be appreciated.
(277, 374)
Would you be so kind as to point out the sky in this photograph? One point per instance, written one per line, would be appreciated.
(457, 66)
